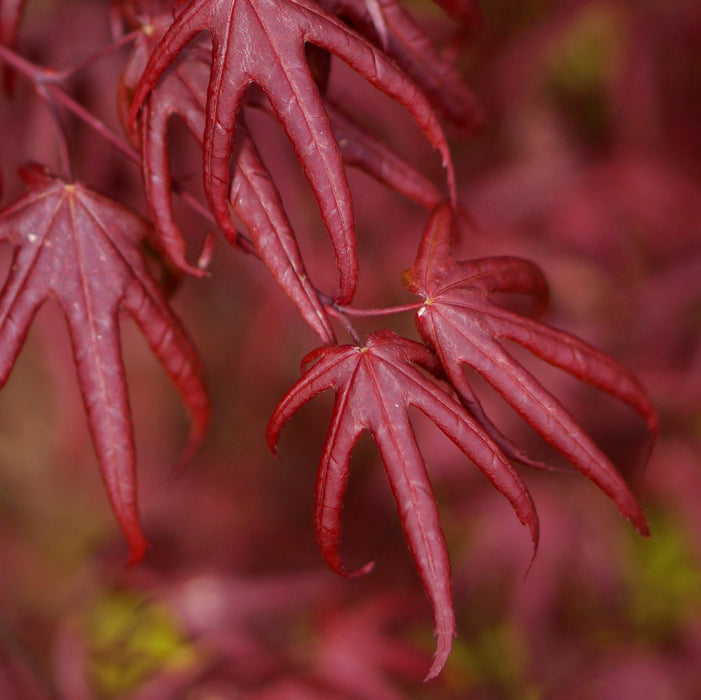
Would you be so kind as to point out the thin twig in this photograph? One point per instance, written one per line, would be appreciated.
(89, 61)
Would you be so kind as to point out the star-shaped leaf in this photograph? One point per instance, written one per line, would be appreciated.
(464, 327)
(263, 42)
(81, 249)
(375, 385)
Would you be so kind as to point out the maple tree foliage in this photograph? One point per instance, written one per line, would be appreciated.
(86, 251)
(253, 195)
(81, 249)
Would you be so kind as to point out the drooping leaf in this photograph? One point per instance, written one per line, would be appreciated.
(263, 42)
(375, 385)
(81, 249)
(253, 194)
(464, 326)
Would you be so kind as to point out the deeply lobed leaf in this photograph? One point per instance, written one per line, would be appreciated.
(253, 195)
(81, 249)
(263, 42)
(375, 385)
(464, 326)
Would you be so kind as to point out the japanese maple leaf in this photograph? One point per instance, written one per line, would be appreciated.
(253, 194)
(464, 327)
(81, 249)
(375, 385)
(263, 42)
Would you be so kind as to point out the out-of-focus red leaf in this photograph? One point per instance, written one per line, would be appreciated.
(375, 385)
(464, 326)
(467, 12)
(404, 40)
(81, 249)
(263, 42)
(357, 653)
(10, 17)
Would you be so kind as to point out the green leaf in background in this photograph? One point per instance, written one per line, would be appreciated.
(131, 639)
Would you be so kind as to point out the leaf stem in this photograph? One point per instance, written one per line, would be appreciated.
(338, 314)
(93, 122)
(383, 311)
(63, 153)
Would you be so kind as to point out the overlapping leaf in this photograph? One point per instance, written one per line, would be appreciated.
(81, 249)
(404, 40)
(464, 326)
(375, 385)
(263, 42)
(364, 151)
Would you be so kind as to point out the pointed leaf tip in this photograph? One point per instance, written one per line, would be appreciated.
(138, 546)
(444, 645)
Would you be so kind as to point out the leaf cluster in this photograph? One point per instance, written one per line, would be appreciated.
(210, 63)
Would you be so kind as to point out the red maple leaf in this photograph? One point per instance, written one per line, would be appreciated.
(464, 326)
(375, 385)
(81, 249)
(263, 42)
(253, 194)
